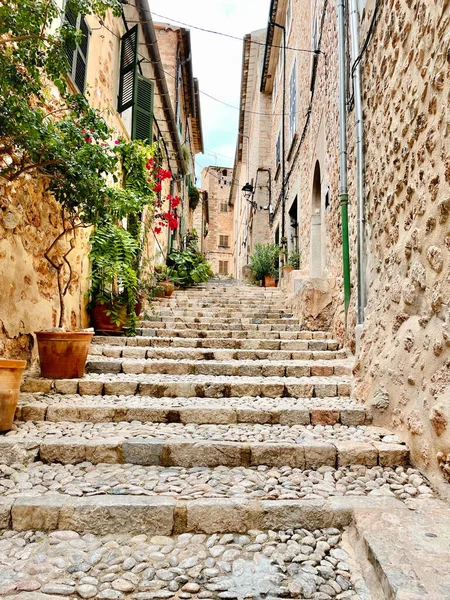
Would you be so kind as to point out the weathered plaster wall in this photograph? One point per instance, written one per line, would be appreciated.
(404, 365)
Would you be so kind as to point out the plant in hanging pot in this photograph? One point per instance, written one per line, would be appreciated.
(10, 379)
(263, 263)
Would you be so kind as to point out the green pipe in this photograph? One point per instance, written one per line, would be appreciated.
(345, 252)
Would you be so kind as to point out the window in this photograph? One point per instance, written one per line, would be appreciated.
(224, 241)
(135, 91)
(223, 267)
(223, 207)
(293, 102)
(278, 150)
(77, 54)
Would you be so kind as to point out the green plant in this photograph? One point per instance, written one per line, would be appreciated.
(294, 259)
(189, 267)
(194, 197)
(113, 278)
(263, 261)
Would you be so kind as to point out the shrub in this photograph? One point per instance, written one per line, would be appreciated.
(264, 260)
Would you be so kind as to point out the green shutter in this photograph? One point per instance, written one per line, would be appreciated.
(128, 69)
(77, 53)
(143, 110)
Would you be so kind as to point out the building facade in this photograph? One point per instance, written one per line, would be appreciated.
(218, 220)
(397, 319)
(120, 68)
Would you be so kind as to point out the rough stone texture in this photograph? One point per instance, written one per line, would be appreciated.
(315, 301)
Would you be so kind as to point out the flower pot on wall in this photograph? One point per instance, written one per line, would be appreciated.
(105, 322)
(269, 281)
(287, 269)
(10, 379)
(62, 354)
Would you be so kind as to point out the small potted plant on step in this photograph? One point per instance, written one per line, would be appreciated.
(263, 263)
(293, 262)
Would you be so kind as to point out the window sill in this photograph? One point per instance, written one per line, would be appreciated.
(291, 148)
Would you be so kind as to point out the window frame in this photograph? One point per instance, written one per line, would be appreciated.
(72, 72)
(224, 241)
(293, 102)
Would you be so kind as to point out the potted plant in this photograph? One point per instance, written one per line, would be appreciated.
(166, 278)
(263, 263)
(10, 379)
(293, 262)
(114, 282)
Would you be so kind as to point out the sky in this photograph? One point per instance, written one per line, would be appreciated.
(217, 63)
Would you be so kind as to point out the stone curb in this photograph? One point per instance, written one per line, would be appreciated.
(219, 368)
(163, 515)
(201, 415)
(194, 453)
(301, 387)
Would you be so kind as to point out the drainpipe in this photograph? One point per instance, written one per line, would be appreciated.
(283, 149)
(359, 125)
(343, 194)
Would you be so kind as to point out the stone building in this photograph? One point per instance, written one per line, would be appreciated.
(218, 219)
(29, 217)
(399, 299)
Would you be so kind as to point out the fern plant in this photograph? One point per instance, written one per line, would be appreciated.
(113, 278)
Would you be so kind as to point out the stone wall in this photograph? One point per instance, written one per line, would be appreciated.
(404, 364)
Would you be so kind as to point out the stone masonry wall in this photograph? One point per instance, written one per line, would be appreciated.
(216, 181)
(404, 364)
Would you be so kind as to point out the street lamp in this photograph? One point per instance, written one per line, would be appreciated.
(248, 193)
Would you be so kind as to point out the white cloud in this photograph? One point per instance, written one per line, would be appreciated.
(217, 62)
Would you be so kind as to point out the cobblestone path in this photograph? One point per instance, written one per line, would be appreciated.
(219, 454)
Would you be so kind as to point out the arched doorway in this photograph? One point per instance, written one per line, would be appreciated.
(316, 225)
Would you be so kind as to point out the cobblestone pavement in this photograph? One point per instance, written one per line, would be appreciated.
(232, 418)
(295, 563)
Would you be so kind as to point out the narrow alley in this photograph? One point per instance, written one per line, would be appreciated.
(224, 316)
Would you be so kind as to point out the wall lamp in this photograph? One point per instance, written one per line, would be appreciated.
(248, 193)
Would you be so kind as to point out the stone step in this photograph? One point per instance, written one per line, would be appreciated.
(217, 325)
(409, 551)
(308, 556)
(247, 483)
(299, 345)
(223, 321)
(200, 333)
(223, 312)
(194, 445)
(189, 386)
(255, 368)
(212, 355)
(98, 409)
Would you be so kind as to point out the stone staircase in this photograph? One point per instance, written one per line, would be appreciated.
(219, 454)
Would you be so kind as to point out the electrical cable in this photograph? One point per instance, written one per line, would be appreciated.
(212, 31)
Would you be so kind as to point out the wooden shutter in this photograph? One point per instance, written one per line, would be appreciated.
(128, 70)
(77, 53)
(143, 110)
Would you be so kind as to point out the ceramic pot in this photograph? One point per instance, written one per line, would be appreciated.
(103, 322)
(287, 269)
(62, 354)
(269, 281)
(169, 288)
(10, 379)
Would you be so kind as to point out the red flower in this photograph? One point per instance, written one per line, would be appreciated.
(157, 230)
(149, 164)
(174, 202)
(163, 174)
(88, 139)
(157, 188)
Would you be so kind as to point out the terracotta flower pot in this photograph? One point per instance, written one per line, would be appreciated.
(10, 378)
(103, 322)
(159, 292)
(169, 288)
(269, 281)
(62, 354)
(287, 269)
